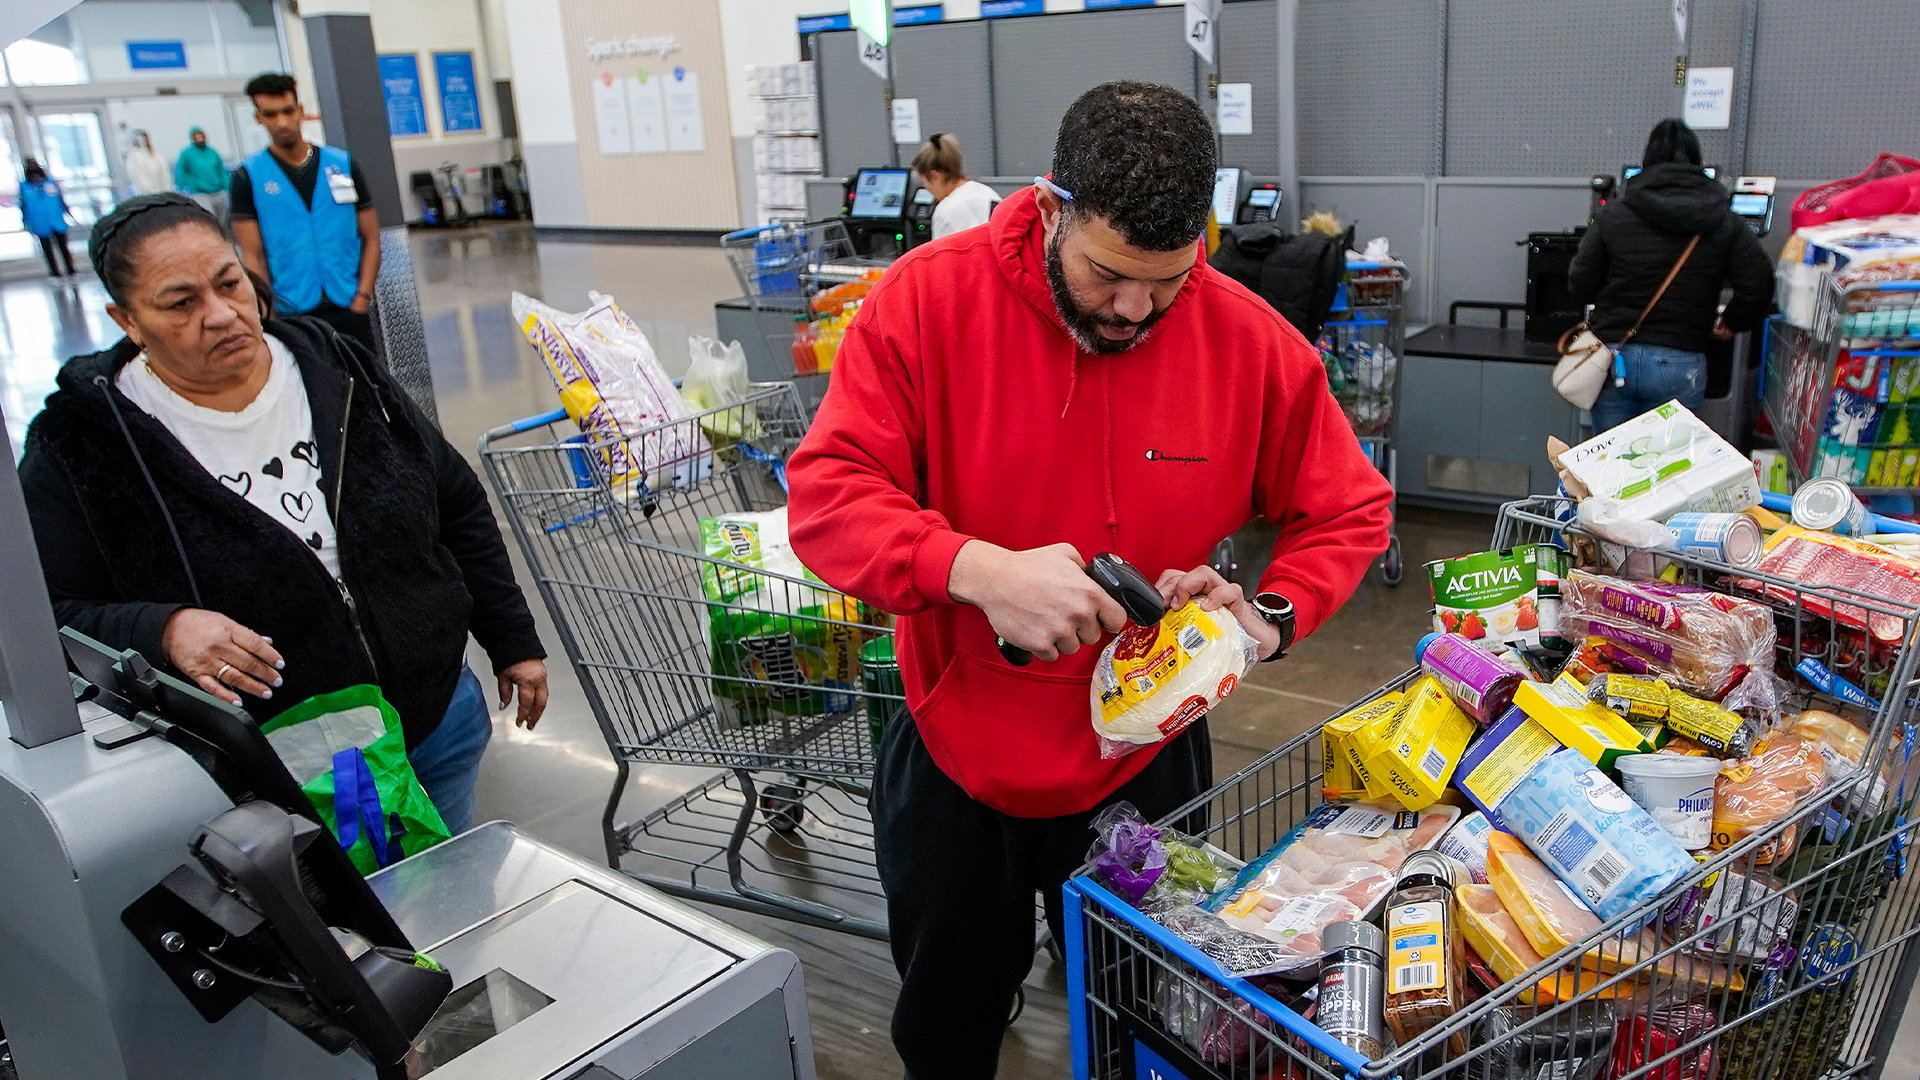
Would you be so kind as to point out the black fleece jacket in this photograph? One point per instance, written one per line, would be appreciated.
(419, 550)
(1628, 251)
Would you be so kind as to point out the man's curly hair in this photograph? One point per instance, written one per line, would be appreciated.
(1142, 156)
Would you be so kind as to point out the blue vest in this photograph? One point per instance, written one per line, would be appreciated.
(312, 252)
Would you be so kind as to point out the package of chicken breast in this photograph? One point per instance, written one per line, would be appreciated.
(1338, 863)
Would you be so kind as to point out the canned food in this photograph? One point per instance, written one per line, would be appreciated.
(1733, 539)
(1828, 504)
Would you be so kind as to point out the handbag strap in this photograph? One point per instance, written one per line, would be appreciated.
(1662, 290)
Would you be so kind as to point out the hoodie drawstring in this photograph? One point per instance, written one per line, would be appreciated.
(1073, 380)
(1106, 451)
(126, 433)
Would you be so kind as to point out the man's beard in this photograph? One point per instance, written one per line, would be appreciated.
(1081, 324)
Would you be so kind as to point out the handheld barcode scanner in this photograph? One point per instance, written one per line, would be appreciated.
(1122, 581)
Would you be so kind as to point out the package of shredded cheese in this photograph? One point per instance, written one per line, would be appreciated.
(1152, 681)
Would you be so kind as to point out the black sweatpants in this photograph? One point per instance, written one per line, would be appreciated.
(49, 245)
(960, 878)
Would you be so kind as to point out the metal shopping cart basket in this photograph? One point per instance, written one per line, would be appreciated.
(1361, 347)
(802, 278)
(691, 658)
(1822, 1007)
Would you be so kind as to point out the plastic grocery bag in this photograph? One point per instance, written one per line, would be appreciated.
(614, 388)
(1153, 681)
(347, 752)
(717, 376)
(777, 646)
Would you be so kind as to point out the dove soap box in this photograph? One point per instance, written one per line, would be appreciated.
(1663, 462)
(1563, 708)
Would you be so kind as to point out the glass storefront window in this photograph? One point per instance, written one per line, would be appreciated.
(77, 159)
(145, 40)
(50, 56)
(248, 33)
(182, 30)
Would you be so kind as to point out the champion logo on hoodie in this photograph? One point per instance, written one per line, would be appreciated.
(1160, 455)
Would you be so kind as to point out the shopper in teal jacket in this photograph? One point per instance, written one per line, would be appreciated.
(44, 211)
(200, 173)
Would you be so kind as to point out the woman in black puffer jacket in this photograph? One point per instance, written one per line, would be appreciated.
(1629, 251)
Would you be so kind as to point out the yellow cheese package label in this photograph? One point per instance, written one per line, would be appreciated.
(1153, 681)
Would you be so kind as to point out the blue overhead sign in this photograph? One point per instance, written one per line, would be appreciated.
(995, 9)
(459, 97)
(149, 55)
(902, 16)
(400, 85)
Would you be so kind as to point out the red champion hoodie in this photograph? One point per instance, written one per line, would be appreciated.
(961, 408)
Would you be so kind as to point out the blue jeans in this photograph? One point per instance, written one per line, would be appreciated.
(448, 761)
(1655, 376)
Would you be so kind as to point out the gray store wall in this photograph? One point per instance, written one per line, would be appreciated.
(1002, 84)
(942, 65)
(1510, 106)
(1040, 65)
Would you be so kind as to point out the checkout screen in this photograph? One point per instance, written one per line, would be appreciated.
(880, 193)
(1747, 204)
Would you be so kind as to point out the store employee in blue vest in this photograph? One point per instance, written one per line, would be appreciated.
(304, 217)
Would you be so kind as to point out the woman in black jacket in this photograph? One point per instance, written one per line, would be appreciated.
(252, 503)
(1630, 249)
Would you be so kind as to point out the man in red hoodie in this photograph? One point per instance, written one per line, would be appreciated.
(1069, 378)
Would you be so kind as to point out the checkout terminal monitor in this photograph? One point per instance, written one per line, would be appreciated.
(1628, 172)
(879, 193)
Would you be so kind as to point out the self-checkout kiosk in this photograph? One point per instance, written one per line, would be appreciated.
(1241, 198)
(886, 212)
(174, 909)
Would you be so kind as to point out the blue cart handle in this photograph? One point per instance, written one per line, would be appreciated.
(1348, 1058)
(744, 233)
(528, 424)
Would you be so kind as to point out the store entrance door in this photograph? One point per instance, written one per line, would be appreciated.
(77, 160)
(14, 241)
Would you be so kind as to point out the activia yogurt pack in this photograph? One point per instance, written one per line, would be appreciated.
(1498, 599)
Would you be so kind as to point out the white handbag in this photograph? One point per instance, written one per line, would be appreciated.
(1584, 365)
(1585, 360)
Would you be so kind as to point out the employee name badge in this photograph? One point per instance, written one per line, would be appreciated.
(341, 184)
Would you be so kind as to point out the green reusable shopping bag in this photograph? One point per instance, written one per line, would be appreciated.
(347, 752)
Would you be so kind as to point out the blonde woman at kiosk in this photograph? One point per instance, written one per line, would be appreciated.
(959, 203)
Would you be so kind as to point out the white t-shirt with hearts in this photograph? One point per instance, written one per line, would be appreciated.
(264, 453)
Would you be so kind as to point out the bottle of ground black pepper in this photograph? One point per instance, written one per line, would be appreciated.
(1349, 1002)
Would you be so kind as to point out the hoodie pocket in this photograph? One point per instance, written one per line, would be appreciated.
(1020, 740)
